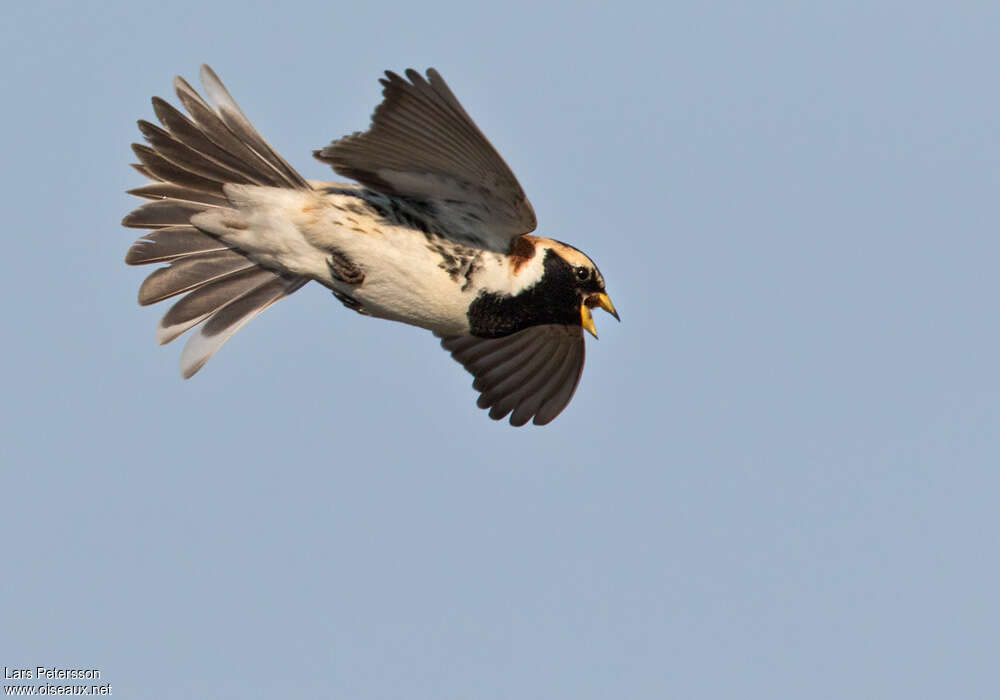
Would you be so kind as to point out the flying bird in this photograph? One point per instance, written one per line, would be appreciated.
(434, 232)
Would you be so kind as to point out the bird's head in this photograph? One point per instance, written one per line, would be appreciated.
(586, 280)
(547, 282)
(572, 277)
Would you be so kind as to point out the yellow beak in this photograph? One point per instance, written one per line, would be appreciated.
(587, 318)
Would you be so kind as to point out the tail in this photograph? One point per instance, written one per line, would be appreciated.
(189, 160)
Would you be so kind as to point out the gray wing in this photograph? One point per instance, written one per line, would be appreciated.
(533, 372)
(423, 146)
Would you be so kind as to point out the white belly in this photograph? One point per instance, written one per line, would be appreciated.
(404, 280)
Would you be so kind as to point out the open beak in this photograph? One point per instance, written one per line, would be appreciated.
(587, 318)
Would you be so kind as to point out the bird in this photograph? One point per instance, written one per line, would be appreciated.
(434, 231)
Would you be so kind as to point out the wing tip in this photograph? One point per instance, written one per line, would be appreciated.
(536, 392)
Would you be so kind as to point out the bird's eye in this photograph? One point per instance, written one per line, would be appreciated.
(583, 273)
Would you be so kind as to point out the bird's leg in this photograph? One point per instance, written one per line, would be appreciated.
(343, 269)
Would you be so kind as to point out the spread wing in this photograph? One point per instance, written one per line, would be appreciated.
(423, 146)
(533, 372)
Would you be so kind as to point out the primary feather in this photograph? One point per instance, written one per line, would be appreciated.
(423, 146)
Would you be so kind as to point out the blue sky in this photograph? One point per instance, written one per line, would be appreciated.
(778, 477)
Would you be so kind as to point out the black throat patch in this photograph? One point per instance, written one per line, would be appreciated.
(553, 299)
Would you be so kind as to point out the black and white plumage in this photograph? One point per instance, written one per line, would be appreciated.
(436, 235)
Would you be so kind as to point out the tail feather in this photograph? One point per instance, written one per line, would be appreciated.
(221, 326)
(199, 305)
(238, 123)
(228, 128)
(156, 167)
(184, 130)
(164, 212)
(191, 272)
(194, 161)
(170, 243)
(169, 190)
(190, 160)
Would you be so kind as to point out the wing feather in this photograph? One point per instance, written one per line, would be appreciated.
(424, 147)
(560, 390)
(532, 373)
